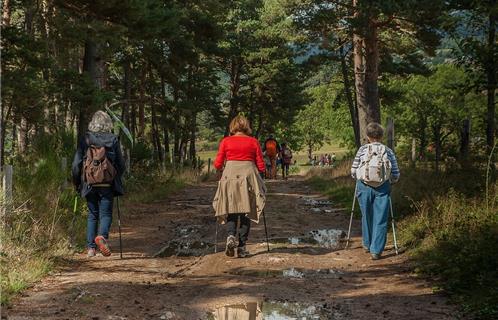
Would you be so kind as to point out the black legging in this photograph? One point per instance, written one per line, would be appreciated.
(245, 226)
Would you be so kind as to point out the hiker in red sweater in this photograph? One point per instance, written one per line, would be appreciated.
(241, 190)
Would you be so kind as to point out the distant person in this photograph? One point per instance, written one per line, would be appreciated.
(333, 158)
(267, 166)
(272, 149)
(329, 160)
(375, 168)
(97, 169)
(241, 191)
(286, 155)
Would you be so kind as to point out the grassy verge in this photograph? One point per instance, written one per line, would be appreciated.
(42, 228)
(449, 226)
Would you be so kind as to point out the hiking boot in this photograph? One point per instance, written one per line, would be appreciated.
(375, 256)
(103, 246)
(242, 252)
(366, 250)
(231, 245)
(91, 252)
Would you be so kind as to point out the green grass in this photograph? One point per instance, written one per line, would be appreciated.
(42, 228)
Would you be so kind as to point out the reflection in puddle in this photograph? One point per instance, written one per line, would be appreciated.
(274, 311)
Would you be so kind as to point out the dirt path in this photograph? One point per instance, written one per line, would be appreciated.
(286, 282)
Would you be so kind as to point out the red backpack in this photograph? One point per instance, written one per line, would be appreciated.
(271, 148)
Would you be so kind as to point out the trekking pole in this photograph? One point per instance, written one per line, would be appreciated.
(216, 238)
(266, 232)
(392, 223)
(351, 218)
(119, 228)
(73, 220)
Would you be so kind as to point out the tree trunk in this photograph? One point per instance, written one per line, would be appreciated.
(491, 88)
(234, 91)
(366, 65)
(2, 134)
(155, 135)
(6, 12)
(125, 109)
(22, 136)
(192, 149)
(90, 68)
(464, 142)
(353, 111)
(437, 139)
(413, 157)
(141, 106)
(5, 23)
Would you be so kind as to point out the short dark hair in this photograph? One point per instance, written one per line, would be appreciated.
(375, 131)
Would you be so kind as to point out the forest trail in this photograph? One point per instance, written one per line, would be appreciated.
(141, 286)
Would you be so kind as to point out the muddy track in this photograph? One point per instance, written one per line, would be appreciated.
(170, 270)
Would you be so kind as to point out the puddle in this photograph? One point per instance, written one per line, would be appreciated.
(187, 242)
(325, 238)
(315, 203)
(328, 238)
(295, 273)
(274, 310)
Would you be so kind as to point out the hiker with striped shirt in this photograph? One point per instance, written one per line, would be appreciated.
(375, 168)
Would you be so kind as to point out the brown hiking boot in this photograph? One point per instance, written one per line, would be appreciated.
(103, 246)
(231, 245)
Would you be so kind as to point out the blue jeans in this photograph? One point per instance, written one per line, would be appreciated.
(99, 202)
(374, 205)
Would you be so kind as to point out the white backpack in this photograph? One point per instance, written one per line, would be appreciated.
(375, 166)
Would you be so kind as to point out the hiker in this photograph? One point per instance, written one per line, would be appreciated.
(97, 169)
(375, 168)
(267, 166)
(271, 149)
(241, 191)
(286, 155)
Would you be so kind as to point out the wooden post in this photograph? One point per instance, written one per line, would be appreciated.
(390, 133)
(209, 166)
(64, 169)
(414, 151)
(7, 188)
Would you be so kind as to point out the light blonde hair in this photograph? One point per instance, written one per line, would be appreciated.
(240, 124)
(101, 122)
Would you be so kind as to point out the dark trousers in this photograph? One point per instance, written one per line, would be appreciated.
(285, 169)
(245, 226)
(99, 202)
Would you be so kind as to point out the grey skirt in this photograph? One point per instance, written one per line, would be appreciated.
(240, 190)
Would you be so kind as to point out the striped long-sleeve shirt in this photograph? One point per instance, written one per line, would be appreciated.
(362, 153)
